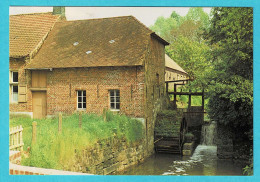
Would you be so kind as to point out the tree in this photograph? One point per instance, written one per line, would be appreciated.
(176, 17)
(231, 83)
(187, 47)
(163, 26)
(193, 57)
(198, 15)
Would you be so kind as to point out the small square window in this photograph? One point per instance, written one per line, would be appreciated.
(81, 99)
(14, 77)
(14, 86)
(14, 93)
(114, 99)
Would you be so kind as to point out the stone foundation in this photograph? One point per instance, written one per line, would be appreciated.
(188, 148)
(109, 157)
(224, 142)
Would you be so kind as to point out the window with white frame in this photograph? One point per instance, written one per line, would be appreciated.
(14, 86)
(114, 99)
(81, 99)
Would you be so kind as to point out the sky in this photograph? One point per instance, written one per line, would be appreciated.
(147, 15)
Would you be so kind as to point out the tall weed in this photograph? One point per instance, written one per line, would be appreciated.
(57, 150)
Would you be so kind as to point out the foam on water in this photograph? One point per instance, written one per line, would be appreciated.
(202, 155)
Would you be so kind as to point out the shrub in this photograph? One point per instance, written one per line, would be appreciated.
(189, 137)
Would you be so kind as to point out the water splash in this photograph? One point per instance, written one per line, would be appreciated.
(203, 156)
(208, 133)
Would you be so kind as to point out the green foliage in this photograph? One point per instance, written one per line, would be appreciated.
(163, 26)
(192, 56)
(189, 137)
(187, 47)
(54, 150)
(189, 134)
(249, 169)
(231, 34)
(230, 85)
(198, 15)
(189, 26)
(168, 123)
(170, 113)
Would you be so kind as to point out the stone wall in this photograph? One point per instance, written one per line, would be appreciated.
(224, 142)
(108, 157)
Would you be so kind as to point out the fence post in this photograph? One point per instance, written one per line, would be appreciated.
(60, 122)
(80, 119)
(105, 114)
(34, 126)
(21, 137)
(16, 136)
(11, 137)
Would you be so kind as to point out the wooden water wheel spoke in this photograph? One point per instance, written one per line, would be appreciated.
(169, 133)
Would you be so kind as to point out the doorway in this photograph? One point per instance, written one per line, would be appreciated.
(39, 104)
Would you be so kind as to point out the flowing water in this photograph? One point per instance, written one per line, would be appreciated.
(208, 133)
(204, 161)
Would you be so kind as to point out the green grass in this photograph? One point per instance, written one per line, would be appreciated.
(57, 151)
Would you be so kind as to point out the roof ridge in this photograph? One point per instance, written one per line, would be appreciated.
(100, 18)
(142, 23)
(34, 14)
(151, 31)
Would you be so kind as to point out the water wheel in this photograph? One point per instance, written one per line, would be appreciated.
(169, 133)
(183, 131)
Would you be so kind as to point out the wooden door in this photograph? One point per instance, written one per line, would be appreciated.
(39, 105)
(39, 79)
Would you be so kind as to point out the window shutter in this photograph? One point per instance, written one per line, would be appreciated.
(22, 93)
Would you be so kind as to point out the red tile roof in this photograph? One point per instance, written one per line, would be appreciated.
(118, 41)
(27, 31)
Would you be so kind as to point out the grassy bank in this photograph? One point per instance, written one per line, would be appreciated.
(54, 150)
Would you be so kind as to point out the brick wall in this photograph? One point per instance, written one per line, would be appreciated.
(24, 77)
(154, 87)
(62, 86)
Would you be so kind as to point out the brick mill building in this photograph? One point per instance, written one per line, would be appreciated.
(86, 65)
